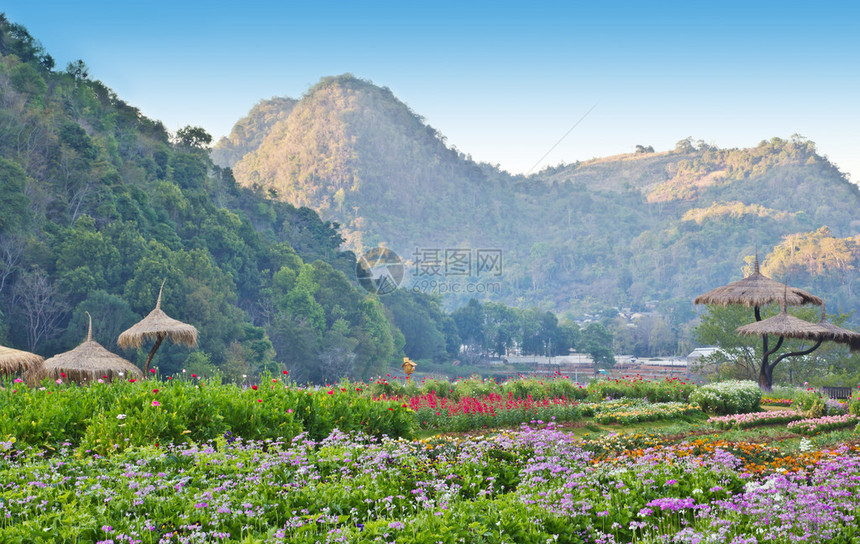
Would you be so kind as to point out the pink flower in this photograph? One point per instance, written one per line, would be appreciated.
(59, 382)
(18, 380)
(156, 403)
(259, 400)
(289, 410)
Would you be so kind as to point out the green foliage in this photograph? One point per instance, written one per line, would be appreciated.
(729, 397)
(194, 137)
(14, 204)
(596, 340)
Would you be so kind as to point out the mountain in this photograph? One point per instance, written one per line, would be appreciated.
(247, 134)
(645, 230)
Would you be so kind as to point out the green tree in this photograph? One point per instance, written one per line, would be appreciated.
(14, 205)
(596, 340)
(193, 137)
(741, 356)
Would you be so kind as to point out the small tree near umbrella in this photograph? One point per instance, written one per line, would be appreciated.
(757, 290)
(157, 326)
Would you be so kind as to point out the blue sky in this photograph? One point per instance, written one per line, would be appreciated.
(504, 81)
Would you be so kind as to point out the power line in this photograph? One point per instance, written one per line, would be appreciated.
(562, 138)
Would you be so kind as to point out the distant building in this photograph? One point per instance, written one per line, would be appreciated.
(698, 353)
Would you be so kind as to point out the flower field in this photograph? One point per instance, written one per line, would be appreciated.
(530, 486)
(186, 461)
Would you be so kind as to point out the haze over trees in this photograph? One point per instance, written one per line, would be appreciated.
(646, 231)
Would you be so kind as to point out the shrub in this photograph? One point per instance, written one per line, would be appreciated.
(729, 397)
(810, 403)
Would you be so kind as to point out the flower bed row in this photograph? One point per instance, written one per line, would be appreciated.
(755, 419)
(493, 410)
(813, 426)
(558, 386)
(773, 401)
(637, 387)
(636, 411)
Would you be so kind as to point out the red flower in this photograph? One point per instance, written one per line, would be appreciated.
(155, 391)
(343, 389)
(286, 372)
(403, 405)
(132, 380)
(194, 375)
(254, 387)
(259, 400)
(274, 380)
(170, 377)
(331, 392)
(105, 377)
(152, 370)
(62, 374)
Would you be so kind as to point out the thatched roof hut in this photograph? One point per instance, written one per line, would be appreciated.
(13, 361)
(157, 326)
(87, 362)
(757, 290)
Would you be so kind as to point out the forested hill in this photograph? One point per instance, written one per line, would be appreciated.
(642, 230)
(98, 205)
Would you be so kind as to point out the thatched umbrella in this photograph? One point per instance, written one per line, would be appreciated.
(157, 326)
(87, 362)
(787, 326)
(839, 334)
(758, 290)
(13, 361)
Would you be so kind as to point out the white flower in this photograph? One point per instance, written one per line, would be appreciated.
(121, 416)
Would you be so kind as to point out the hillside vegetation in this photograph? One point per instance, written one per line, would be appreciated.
(99, 204)
(643, 230)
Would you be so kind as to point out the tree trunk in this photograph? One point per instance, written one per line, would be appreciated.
(158, 342)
